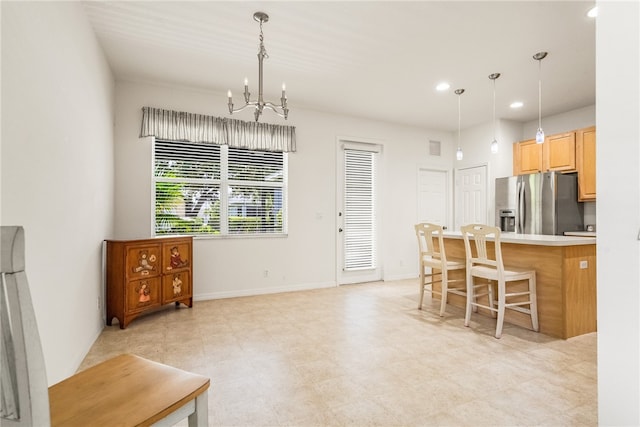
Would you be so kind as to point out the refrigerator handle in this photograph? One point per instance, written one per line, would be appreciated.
(521, 213)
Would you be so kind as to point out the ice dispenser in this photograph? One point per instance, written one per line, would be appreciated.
(507, 220)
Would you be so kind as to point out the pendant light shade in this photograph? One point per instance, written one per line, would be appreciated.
(494, 146)
(494, 143)
(540, 133)
(459, 153)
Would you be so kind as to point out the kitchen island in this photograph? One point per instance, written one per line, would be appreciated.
(565, 279)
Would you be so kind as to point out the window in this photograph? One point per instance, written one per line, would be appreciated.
(206, 189)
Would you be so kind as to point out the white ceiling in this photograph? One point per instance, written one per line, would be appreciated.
(375, 59)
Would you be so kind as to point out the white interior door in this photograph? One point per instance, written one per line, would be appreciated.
(358, 219)
(471, 196)
(433, 196)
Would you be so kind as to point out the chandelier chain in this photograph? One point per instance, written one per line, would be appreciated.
(263, 50)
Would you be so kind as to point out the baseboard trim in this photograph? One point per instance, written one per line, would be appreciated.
(262, 291)
(404, 276)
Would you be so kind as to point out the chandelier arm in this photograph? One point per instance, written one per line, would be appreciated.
(276, 109)
(273, 106)
(247, 105)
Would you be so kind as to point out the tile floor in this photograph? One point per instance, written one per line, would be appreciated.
(363, 355)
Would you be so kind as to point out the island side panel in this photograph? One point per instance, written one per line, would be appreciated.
(548, 263)
(580, 290)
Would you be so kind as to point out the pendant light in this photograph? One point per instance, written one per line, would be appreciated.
(494, 143)
(459, 154)
(540, 133)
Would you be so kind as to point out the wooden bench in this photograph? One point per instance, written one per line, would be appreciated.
(126, 390)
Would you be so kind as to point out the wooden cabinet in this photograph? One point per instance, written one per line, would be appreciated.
(143, 275)
(559, 152)
(586, 163)
(527, 157)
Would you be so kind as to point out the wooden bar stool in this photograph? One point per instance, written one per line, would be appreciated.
(480, 265)
(438, 263)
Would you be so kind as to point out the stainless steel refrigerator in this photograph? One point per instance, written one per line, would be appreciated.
(541, 203)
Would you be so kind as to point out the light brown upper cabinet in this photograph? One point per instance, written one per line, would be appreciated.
(559, 152)
(586, 163)
(527, 157)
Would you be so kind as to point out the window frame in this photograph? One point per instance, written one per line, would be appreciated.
(224, 184)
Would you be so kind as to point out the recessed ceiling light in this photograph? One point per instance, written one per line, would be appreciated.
(593, 12)
(443, 86)
(516, 104)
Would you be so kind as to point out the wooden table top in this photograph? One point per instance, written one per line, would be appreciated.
(126, 390)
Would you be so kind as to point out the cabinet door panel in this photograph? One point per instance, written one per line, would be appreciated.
(143, 261)
(560, 152)
(530, 157)
(176, 255)
(176, 286)
(142, 294)
(586, 163)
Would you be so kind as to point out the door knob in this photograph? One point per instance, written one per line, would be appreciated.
(340, 230)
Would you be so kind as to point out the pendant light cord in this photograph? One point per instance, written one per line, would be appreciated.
(494, 109)
(540, 93)
(459, 121)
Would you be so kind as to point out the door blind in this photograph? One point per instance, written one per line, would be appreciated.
(359, 215)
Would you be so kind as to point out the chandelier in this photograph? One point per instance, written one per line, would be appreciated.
(282, 110)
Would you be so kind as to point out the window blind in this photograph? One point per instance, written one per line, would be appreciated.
(218, 190)
(359, 215)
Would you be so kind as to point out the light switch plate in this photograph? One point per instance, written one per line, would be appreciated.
(584, 264)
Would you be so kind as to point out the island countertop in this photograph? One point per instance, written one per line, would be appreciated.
(533, 239)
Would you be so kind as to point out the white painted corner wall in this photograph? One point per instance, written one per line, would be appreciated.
(57, 169)
(618, 221)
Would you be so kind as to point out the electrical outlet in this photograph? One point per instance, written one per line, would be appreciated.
(265, 273)
(98, 305)
(584, 264)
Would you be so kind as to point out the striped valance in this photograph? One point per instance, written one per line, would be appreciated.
(180, 126)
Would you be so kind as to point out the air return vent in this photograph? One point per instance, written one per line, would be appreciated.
(434, 148)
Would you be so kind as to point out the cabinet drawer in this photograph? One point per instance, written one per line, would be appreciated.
(176, 255)
(143, 261)
(142, 294)
(176, 286)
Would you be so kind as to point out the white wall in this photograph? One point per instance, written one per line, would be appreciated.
(618, 181)
(563, 122)
(57, 168)
(306, 258)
